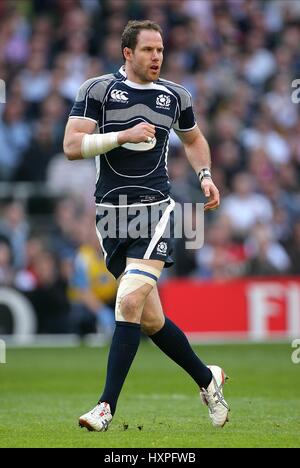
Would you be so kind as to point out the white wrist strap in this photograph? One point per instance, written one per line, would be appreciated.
(95, 144)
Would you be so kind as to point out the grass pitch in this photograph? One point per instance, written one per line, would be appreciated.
(43, 391)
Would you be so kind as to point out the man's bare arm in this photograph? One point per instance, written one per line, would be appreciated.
(198, 155)
(74, 133)
(81, 143)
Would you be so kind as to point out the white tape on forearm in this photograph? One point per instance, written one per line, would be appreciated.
(95, 144)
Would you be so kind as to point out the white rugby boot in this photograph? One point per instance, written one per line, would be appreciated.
(212, 396)
(97, 419)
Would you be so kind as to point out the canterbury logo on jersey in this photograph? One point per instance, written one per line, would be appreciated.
(118, 95)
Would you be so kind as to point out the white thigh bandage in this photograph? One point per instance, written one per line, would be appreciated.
(95, 144)
(135, 276)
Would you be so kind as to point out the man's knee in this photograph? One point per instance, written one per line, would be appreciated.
(152, 325)
(131, 306)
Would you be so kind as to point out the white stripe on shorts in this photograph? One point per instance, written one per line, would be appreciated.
(101, 242)
(159, 230)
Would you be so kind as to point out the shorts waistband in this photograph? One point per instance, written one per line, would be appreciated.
(106, 205)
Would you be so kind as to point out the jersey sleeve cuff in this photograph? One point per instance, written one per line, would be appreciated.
(185, 129)
(81, 117)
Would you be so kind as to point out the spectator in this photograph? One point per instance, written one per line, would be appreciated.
(6, 269)
(244, 207)
(49, 297)
(279, 103)
(221, 257)
(26, 279)
(92, 287)
(294, 249)
(264, 136)
(35, 161)
(35, 79)
(266, 256)
(15, 229)
(62, 237)
(15, 136)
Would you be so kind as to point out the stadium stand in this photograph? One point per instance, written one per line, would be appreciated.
(239, 60)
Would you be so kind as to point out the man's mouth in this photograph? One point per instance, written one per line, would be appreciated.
(154, 67)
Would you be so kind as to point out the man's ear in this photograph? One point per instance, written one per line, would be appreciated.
(127, 52)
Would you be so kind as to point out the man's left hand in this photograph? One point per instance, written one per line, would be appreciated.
(210, 191)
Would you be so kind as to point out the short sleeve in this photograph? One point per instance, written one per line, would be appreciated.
(186, 119)
(88, 101)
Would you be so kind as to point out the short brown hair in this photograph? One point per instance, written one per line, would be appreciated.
(132, 30)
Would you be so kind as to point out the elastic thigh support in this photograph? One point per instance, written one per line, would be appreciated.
(135, 276)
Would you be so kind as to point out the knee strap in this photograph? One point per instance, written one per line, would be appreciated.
(135, 276)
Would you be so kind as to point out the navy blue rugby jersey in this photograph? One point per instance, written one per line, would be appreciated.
(114, 103)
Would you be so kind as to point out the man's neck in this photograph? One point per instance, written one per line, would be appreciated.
(131, 76)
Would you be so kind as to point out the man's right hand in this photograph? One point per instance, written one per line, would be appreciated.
(141, 132)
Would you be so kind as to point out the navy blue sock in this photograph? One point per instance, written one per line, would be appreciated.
(124, 345)
(173, 342)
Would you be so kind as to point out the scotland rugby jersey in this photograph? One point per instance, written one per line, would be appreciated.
(114, 103)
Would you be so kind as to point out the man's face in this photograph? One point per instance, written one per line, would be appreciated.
(146, 59)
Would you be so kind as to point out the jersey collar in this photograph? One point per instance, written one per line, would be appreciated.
(132, 84)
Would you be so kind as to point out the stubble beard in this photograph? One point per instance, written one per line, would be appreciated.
(144, 77)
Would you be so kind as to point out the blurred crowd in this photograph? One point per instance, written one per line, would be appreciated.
(238, 59)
